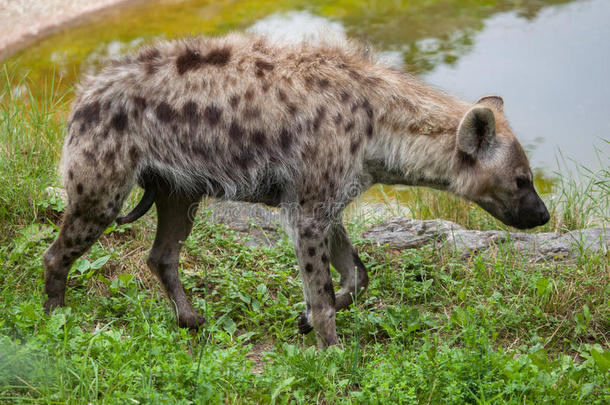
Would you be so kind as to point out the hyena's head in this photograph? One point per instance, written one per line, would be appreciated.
(493, 169)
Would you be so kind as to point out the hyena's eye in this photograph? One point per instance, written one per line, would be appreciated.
(523, 182)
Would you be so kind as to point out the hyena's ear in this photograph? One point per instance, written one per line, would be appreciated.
(492, 101)
(476, 131)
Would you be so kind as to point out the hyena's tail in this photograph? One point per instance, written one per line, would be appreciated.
(142, 208)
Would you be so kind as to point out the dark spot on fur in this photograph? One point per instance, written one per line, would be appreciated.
(139, 103)
(90, 157)
(355, 107)
(106, 105)
(282, 96)
(119, 121)
(328, 288)
(150, 58)
(285, 139)
(258, 137)
(89, 115)
(190, 112)
(369, 130)
(79, 188)
(134, 154)
(265, 86)
(354, 146)
(108, 157)
(165, 112)
(212, 115)
(192, 59)
(354, 74)
(249, 94)
(323, 83)
(324, 258)
(262, 66)
(367, 107)
(251, 113)
(311, 251)
(308, 82)
(236, 132)
(70, 174)
(320, 114)
(292, 109)
(349, 126)
(307, 233)
(338, 119)
(234, 101)
(309, 267)
(344, 96)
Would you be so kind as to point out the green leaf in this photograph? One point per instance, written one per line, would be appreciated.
(96, 265)
(542, 286)
(539, 359)
(82, 265)
(602, 359)
(283, 385)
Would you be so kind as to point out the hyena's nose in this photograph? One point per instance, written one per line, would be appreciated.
(543, 214)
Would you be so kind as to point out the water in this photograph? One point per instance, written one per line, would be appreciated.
(550, 60)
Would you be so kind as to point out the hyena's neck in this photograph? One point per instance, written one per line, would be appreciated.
(415, 135)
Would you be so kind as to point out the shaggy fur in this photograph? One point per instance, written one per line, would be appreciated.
(304, 127)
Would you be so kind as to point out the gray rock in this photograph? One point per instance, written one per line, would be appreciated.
(468, 242)
(571, 244)
(404, 233)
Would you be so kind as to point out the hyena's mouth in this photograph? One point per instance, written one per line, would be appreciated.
(506, 215)
(522, 219)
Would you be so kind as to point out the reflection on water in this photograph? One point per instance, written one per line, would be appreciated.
(547, 58)
(298, 26)
(552, 71)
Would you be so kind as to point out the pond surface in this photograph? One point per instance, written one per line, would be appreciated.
(549, 59)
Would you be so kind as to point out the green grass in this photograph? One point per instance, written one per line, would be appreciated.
(432, 328)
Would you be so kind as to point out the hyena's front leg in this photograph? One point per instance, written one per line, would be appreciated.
(175, 220)
(345, 259)
(314, 262)
(354, 276)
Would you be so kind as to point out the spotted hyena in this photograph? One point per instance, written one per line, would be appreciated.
(304, 127)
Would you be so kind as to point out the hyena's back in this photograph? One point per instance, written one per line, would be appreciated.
(232, 116)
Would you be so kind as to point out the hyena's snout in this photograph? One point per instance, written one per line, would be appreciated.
(525, 211)
(529, 212)
(533, 212)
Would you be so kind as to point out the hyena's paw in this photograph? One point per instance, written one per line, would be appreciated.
(303, 323)
(53, 303)
(190, 320)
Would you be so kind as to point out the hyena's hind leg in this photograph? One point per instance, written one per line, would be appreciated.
(89, 212)
(175, 220)
(345, 259)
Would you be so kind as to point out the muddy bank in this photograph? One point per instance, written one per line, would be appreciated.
(22, 22)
